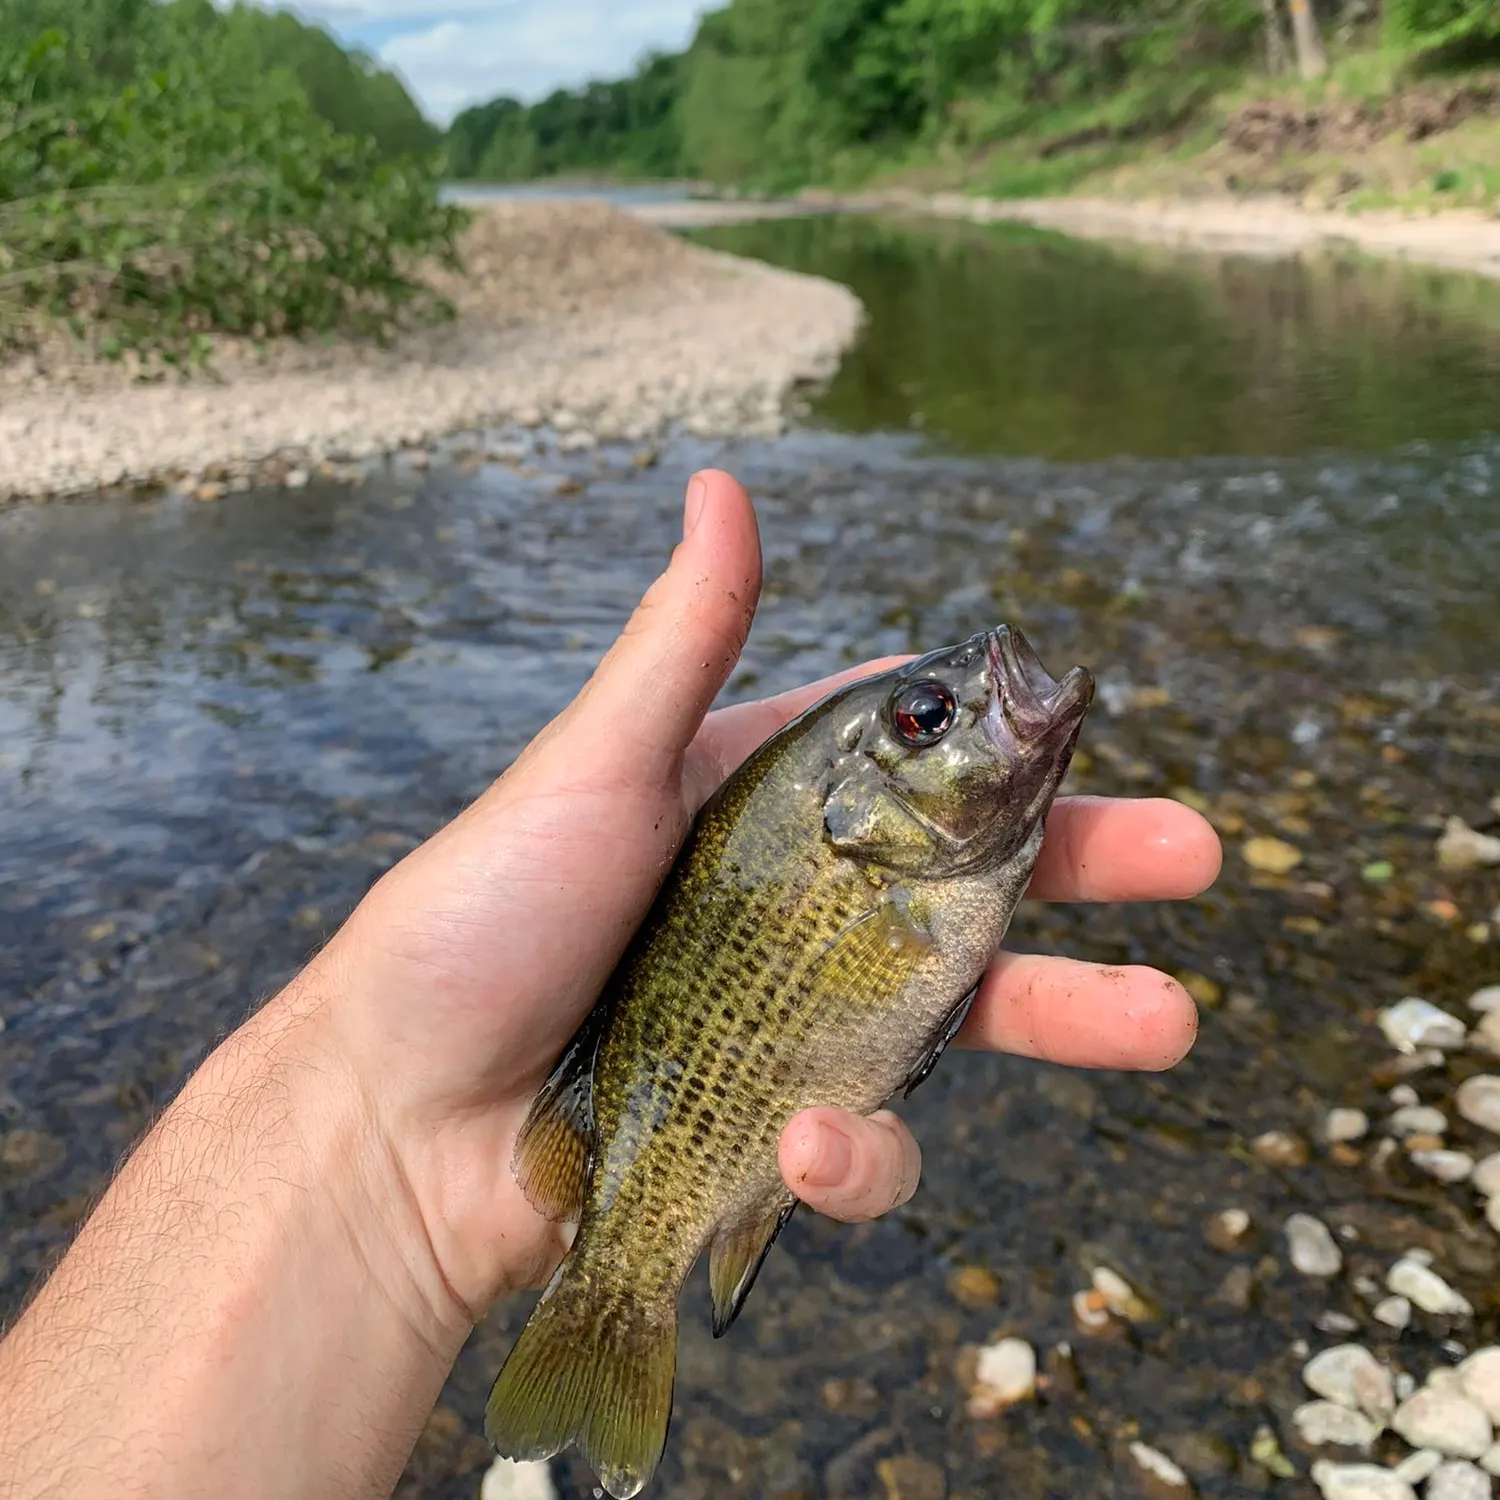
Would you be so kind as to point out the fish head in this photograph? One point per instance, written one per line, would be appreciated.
(950, 761)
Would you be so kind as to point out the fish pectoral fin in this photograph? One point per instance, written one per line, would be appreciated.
(736, 1256)
(556, 1143)
(871, 958)
(952, 1023)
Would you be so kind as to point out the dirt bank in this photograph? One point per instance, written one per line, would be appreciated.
(574, 314)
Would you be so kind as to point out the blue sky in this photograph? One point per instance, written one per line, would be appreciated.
(457, 52)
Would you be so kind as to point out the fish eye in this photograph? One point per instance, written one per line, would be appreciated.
(922, 713)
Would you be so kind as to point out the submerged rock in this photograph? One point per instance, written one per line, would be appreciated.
(1478, 1101)
(1465, 848)
(1409, 1277)
(1414, 1023)
(1417, 1119)
(1350, 1375)
(1311, 1247)
(1451, 1424)
(1445, 1166)
(1394, 1312)
(1158, 1473)
(1323, 1422)
(508, 1480)
(1004, 1373)
(1359, 1482)
(1343, 1125)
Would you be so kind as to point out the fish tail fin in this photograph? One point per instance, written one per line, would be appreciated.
(593, 1371)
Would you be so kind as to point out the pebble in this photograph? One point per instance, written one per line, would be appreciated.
(1416, 1468)
(1492, 1212)
(1485, 1037)
(974, 1286)
(1480, 1376)
(1004, 1373)
(1449, 1423)
(506, 1479)
(1394, 1312)
(1359, 1482)
(1166, 1476)
(1446, 1166)
(1227, 1229)
(907, 1477)
(1490, 1463)
(1417, 1119)
(1456, 1480)
(1337, 1322)
(1486, 1175)
(1410, 1278)
(1091, 1311)
(1119, 1296)
(1274, 856)
(1311, 1246)
(1412, 1023)
(1324, 1422)
(1486, 999)
(1478, 1101)
(1345, 1125)
(1350, 1375)
(1403, 1095)
(1279, 1148)
(1464, 848)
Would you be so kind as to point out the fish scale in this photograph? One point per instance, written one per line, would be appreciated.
(816, 942)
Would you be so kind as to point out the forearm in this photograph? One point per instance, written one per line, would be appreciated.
(244, 1313)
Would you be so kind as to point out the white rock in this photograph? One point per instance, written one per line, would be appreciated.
(1322, 1422)
(1417, 1467)
(1451, 1424)
(1492, 1212)
(1345, 1125)
(1446, 1166)
(1410, 1278)
(1462, 847)
(1311, 1246)
(1337, 1322)
(1456, 1480)
(1485, 1037)
(1405, 1385)
(1480, 1374)
(1478, 1101)
(506, 1479)
(1486, 999)
(1402, 1095)
(1417, 1119)
(1359, 1482)
(1413, 1023)
(1350, 1375)
(1394, 1312)
(1490, 1463)
(1159, 1467)
(1006, 1371)
(1486, 1176)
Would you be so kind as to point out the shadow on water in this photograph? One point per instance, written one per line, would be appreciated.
(219, 724)
(1005, 339)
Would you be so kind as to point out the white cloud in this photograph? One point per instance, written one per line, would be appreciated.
(528, 49)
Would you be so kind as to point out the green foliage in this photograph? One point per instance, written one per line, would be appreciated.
(779, 92)
(1442, 26)
(163, 178)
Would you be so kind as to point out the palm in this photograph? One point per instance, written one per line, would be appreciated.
(481, 952)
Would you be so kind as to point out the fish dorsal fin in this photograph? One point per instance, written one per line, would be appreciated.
(555, 1144)
(736, 1256)
(872, 958)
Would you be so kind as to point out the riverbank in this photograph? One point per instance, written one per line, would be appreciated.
(574, 315)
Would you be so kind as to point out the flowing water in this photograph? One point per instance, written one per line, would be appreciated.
(1262, 500)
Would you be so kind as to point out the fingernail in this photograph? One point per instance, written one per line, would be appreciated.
(696, 495)
(832, 1159)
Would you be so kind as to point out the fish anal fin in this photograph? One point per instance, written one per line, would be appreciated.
(736, 1255)
(555, 1144)
(952, 1024)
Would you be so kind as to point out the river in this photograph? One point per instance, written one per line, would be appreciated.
(1261, 499)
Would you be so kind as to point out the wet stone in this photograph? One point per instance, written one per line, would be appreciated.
(1414, 1022)
(1418, 1467)
(1457, 1480)
(1228, 1229)
(1159, 1477)
(1478, 1101)
(1351, 1376)
(1480, 1377)
(1486, 999)
(1394, 1312)
(1417, 1119)
(506, 1479)
(1326, 1423)
(1410, 1277)
(1449, 1423)
(1359, 1482)
(1343, 1125)
(1311, 1247)
(1445, 1166)
(1004, 1373)
(1280, 1148)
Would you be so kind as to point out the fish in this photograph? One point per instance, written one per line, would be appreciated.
(819, 940)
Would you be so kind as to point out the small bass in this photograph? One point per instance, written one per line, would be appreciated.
(818, 941)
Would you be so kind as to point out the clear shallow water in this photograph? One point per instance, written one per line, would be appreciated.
(1004, 339)
(219, 724)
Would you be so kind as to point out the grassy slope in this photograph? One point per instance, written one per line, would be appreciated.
(1137, 155)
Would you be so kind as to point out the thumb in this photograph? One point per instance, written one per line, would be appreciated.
(648, 696)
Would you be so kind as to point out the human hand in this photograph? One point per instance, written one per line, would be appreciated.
(454, 986)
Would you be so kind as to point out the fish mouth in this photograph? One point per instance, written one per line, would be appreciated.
(1031, 705)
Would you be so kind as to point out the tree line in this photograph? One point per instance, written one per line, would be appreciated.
(781, 92)
(170, 169)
